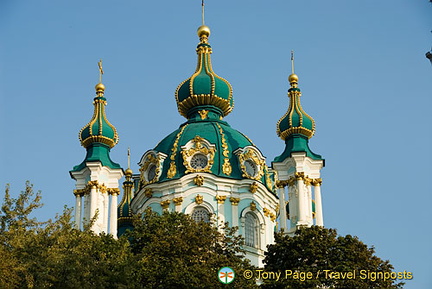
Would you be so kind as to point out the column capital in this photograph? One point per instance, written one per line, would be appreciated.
(220, 199)
(234, 201)
(165, 204)
(177, 201)
(317, 182)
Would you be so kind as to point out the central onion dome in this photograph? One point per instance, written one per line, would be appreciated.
(204, 89)
(205, 143)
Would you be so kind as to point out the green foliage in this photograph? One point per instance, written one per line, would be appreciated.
(316, 249)
(168, 251)
(174, 251)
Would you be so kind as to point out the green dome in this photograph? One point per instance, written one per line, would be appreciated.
(99, 129)
(226, 152)
(204, 87)
(295, 120)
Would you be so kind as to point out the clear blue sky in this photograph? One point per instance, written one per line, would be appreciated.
(361, 69)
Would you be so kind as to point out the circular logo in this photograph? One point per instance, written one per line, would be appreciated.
(226, 275)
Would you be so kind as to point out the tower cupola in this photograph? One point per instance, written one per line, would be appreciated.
(295, 120)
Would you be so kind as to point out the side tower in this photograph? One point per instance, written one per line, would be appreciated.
(207, 169)
(97, 176)
(298, 168)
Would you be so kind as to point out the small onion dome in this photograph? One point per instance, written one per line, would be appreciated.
(204, 88)
(99, 129)
(295, 120)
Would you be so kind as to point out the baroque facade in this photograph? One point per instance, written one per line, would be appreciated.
(205, 168)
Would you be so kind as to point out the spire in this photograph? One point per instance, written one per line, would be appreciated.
(99, 135)
(296, 126)
(99, 129)
(296, 120)
(204, 90)
(125, 218)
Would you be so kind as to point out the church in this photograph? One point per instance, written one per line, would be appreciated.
(205, 168)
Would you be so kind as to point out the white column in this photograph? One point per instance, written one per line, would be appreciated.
(78, 211)
(309, 203)
(86, 208)
(302, 205)
(318, 204)
(92, 209)
(282, 208)
(113, 216)
(106, 212)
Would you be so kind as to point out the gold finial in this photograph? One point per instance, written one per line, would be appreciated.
(100, 87)
(293, 78)
(203, 31)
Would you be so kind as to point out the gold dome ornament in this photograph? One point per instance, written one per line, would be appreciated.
(203, 30)
(293, 78)
(100, 87)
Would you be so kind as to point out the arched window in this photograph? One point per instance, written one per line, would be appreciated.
(251, 230)
(201, 214)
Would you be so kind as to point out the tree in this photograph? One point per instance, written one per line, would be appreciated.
(54, 254)
(168, 251)
(174, 251)
(311, 251)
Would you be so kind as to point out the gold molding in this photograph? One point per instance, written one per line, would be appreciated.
(172, 169)
(199, 180)
(203, 113)
(165, 204)
(199, 199)
(220, 199)
(199, 147)
(317, 182)
(251, 154)
(266, 212)
(234, 201)
(113, 191)
(151, 159)
(177, 201)
(148, 193)
(226, 167)
(253, 206)
(307, 181)
(253, 187)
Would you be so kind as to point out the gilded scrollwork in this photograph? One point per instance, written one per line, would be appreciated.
(150, 169)
(199, 180)
(203, 113)
(199, 199)
(255, 161)
(252, 206)
(317, 182)
(148, 192)
(165, 204)
(197, 147)
(172, 169)
(177, 201)
(234, 201)
(220, 199)
(226, 167)
(253, 187)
